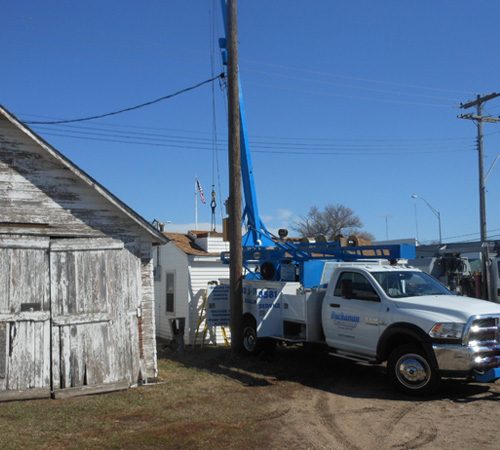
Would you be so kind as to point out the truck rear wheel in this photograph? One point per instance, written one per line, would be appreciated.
(252, 345)
(411, 371)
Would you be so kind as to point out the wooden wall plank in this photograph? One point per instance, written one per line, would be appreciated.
(64, 245)
(89, 390)
(26, 242)
(3, 350)
(8, 396)
(80, 319)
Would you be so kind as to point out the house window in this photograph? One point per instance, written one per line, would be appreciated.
(170, 290)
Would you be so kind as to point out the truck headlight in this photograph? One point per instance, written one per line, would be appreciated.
(447, 330)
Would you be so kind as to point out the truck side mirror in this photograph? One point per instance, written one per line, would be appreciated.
(346, 288)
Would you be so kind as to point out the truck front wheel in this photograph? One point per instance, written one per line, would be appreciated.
(411, 371)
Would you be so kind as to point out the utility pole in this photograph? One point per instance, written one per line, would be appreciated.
(479, 119)
(235, 209)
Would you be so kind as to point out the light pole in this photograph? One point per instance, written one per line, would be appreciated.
(435, 212)
(416, 221)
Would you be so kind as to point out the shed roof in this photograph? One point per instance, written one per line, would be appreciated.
(187, 245)
(157, 236)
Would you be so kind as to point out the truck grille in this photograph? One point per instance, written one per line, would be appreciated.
(483, 334)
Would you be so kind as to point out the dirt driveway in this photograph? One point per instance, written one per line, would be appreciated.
(298, 400)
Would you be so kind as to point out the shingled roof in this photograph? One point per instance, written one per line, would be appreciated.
(187, 245)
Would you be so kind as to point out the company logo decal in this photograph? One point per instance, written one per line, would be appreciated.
(345, 317)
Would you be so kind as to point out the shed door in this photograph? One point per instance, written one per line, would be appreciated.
(95, 294)
(24, 317)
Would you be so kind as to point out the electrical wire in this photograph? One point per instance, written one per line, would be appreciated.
(350, 97)
(352, 86)
(270, 150)
(469, 234)
(287, 141)
(279, 143)
(256, 137)
(352, 78)
(132, 108)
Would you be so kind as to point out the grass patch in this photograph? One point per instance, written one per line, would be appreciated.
(192, 407)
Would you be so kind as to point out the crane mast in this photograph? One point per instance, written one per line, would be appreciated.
(270, 257)
(257, 233)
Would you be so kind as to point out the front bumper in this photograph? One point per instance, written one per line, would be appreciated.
(466, 358)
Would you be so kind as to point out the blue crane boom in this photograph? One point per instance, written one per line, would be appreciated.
(271, 257)
(257, 233)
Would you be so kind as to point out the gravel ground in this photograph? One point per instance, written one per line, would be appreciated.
(314, 401)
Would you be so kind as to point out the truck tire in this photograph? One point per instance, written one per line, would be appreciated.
(411, 371)
(252, 345)
(250, 341)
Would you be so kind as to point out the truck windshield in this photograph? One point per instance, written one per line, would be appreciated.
(409, 284)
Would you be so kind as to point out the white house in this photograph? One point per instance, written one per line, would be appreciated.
(184, 267)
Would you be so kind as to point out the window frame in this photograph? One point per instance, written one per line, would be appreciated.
(337, 292)
(170, 291)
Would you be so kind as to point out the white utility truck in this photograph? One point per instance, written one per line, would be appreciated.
(374, 311)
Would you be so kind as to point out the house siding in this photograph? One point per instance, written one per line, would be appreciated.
(171, 260)
(192, 275)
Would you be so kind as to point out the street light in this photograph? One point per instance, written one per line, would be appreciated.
(434, 210)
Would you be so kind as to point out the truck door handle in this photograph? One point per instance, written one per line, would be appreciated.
(334, 305)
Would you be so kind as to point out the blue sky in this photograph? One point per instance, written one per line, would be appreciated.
(347, 102)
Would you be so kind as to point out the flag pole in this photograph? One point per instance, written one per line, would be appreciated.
(195, 205)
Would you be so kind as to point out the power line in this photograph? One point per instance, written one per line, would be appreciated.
(142, 105)
(362, 79)
(351, 97)
(100, 131)
(257, 137)
(344, 85)
(267, 150)
(435, 143)
(469, 234)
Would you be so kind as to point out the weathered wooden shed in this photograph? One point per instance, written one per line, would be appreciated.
(76, 276)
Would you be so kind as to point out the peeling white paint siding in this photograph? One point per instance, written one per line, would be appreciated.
(24, 336)
(147, 312)
(36, 189)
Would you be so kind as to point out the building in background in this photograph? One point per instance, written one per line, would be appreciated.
(184, 268)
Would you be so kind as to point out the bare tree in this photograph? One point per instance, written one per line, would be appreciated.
(334, 220)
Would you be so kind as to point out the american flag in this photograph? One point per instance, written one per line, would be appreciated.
(200, 190)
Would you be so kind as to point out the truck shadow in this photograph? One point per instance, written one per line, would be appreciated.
(316, 370)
